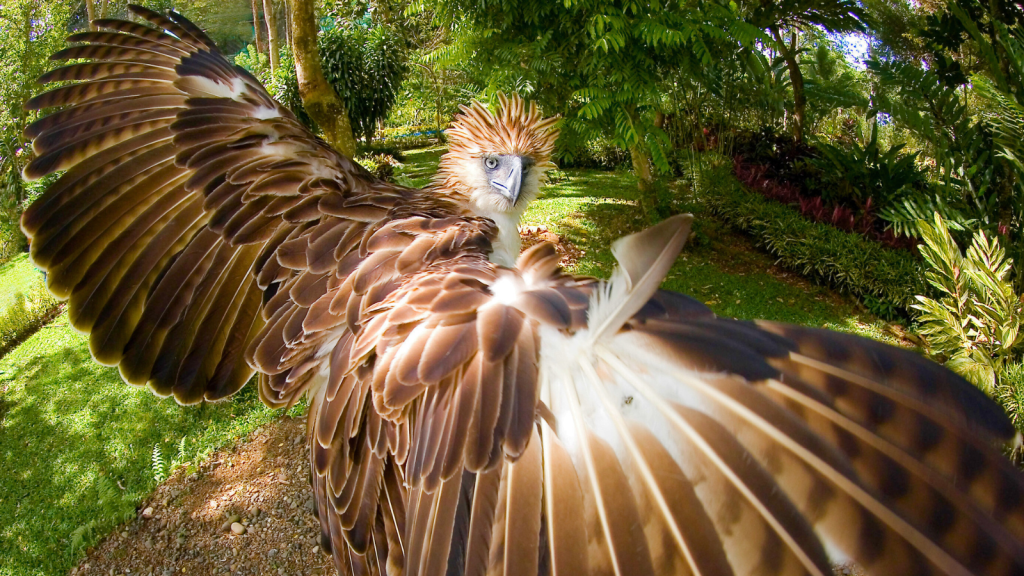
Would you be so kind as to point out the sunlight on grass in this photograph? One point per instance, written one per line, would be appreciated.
(69, 427)
(592, 209)
(16, 275)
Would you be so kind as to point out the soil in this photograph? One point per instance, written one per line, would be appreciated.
(185, 526)
(533, 235)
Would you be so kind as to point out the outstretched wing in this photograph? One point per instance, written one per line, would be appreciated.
(488, 420)
(183, 181)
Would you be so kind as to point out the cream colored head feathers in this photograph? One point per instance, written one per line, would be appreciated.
(496, 163)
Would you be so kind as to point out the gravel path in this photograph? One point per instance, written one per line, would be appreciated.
(247, 511)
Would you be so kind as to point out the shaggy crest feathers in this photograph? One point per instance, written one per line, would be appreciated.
(515, 129)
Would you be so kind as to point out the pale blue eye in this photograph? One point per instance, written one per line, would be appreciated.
(491, 163)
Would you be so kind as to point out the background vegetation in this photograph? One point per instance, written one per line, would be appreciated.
(873, 147)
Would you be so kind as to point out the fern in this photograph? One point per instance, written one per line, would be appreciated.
(180, 458)
(114, 507)
(159, 466)
(906, 214)
(82, 537)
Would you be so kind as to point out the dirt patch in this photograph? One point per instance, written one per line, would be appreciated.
(568, 253)
(260, 488)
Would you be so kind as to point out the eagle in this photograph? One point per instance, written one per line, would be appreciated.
(474, 410)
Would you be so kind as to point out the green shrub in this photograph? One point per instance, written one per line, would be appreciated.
(364, 65)
(406, 142)
(975, 324)
(25, 315)
(380, 165)
(600, 153)
(885, 280)
(853, 174)
(407, 131)
(1010, 393)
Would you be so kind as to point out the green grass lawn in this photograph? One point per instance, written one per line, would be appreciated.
(76, 444)
(17, 275)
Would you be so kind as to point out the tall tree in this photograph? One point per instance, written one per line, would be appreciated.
(90, 10)
(258, 27)
(785, 19)
(318, 96)
(270, 13)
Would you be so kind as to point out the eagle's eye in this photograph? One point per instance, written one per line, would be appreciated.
(491, 162)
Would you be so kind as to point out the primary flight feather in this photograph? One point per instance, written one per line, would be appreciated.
(473, 410)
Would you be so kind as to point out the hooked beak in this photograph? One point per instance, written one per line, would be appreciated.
(509, 188)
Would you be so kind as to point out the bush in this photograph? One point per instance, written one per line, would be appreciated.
(25, 315)
(407, 142)
(1010, 393)
(855, 175)
(380, 165)
(885, 280)
(599, 153)
(406, 131)
(975, 325)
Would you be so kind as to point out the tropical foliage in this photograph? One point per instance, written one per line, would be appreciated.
(976, 323)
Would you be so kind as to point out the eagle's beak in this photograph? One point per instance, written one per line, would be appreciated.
(509, 188)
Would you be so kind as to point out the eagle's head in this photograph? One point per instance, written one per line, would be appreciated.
(496, 163)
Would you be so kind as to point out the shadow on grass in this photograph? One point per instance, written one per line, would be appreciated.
(70, 426)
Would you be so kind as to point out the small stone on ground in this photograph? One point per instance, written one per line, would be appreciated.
(228, 517)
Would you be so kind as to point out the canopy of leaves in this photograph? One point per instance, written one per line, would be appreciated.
(607, 65)
(831, 15)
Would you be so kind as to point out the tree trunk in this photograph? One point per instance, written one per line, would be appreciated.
(288, 27)
(318, 97)
(90, 9)
(796, 79)
(103, 8)
(257, 25)
(645, 180)
(271, 16)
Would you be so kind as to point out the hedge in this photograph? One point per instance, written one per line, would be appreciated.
(26, 314)
(886, 280)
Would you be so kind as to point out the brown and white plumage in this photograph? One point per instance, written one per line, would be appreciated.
(469, 417)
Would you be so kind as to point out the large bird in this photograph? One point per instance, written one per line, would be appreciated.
(472, 412)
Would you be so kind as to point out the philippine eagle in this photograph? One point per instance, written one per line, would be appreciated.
(473, 412)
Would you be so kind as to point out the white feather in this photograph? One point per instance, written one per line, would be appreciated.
(644, 259)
